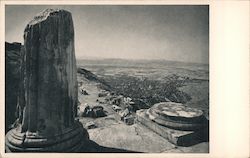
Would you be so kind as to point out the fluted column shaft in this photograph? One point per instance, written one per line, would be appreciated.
(48, 90)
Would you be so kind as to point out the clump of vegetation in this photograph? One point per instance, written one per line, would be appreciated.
(149, 92)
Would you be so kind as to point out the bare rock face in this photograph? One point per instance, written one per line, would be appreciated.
(12, 79)
(48, 94)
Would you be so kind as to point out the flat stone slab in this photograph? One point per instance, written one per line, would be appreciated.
(177, 110)
(134, 138)
(177, 137)
(198, 148)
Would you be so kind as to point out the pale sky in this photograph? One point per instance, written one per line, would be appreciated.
(167, 32)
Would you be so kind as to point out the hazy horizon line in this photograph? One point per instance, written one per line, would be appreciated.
(136, 59)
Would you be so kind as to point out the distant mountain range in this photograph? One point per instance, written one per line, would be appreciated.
(88, 58)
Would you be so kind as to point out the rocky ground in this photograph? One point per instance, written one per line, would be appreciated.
(110, 131)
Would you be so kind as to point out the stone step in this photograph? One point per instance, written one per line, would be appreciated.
(177, 137)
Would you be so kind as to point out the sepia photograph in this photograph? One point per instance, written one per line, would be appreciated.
(110, 78)
(107, 78)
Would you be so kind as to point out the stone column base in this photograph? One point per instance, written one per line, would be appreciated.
(71, 140)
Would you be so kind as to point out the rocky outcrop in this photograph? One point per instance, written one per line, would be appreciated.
(87, 74)
(12, 79)
(47, 102)
(92, 77)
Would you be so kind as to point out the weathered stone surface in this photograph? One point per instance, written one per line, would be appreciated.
(48, 94)
(91, 111)
(135, 138)
(177, 116)
(50, 69)
(198, 148)
(177, 110)
(177, 137)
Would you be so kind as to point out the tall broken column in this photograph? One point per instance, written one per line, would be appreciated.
(48, 91)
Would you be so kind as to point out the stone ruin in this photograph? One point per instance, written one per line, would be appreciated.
(48, 96)
(47, 99)
(181, 125)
